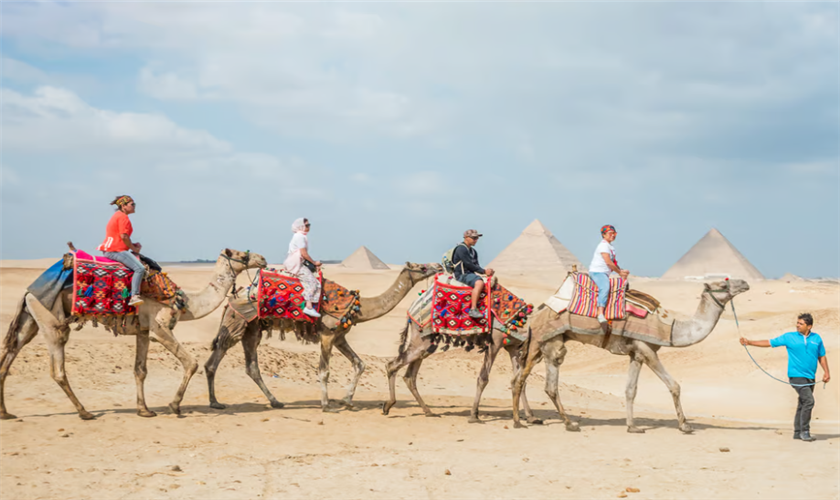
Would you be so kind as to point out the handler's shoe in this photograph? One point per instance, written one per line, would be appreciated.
(806, 436)
(796, 435)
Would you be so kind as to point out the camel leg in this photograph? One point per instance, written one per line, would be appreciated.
(23, 336)
(160, 327)
(516, 364)
(630, 392)
(141, 356)
(410, 379)
(652, 360)
(250, 343)
(483, 379)
(210, 368)
(554, 352)
(533, 357)
(416, 347)
(358, 367)
(327, 341)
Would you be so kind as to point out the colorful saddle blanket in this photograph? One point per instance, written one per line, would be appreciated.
(446, 307)
(280, 296)
(584, 300)
(102, 287)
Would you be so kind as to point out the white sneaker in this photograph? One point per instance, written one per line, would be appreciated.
(135, 300)
(311, 312)
(601, 318)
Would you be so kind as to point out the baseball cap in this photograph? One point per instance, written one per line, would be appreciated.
(472, 233)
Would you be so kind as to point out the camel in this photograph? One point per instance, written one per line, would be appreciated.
(684, 334)
(328, 332)
(414, 348)
(416, 345)
(159, 319)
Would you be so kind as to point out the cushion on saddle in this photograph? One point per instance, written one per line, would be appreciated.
(280, 296)
(584, 300)
(446, 306)
(101, 288)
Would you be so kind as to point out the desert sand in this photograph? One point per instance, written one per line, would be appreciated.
(253, 451)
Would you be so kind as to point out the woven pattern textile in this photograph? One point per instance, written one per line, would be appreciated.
(101, 289)
(280, 296)
(160, 287)
(450, 307)
(338, 301)
(585, 297)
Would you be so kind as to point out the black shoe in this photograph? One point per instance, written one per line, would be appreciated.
(475, 314)
(796, 435)
(806, 436)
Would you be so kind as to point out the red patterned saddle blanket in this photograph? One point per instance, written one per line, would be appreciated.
(584, 300)
(280, 296)
(446, 307)
(102, 287)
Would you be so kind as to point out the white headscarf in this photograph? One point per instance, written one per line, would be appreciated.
(298, 226)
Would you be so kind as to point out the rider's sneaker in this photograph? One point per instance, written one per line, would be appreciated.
(311, 312)
(601, 318)
(475, 314)
(135, 300)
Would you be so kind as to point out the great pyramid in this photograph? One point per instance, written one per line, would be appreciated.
(535, 252)
(713, 256)
(363, 258)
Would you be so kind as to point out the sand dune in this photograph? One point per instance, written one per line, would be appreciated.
(251, 450)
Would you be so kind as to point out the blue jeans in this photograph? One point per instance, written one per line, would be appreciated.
(603, 282)
(129, 260)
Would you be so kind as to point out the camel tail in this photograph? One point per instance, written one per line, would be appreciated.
(526, 347)
(11, 340)
(404, 337)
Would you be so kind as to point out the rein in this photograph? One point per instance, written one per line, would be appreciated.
(738, 326)
(233, 273)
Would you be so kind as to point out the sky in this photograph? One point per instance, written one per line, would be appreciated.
(399, 125)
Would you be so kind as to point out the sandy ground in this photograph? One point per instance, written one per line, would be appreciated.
(253, 451)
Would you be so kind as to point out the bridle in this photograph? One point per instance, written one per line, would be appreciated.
(726, 289)
(244, 262)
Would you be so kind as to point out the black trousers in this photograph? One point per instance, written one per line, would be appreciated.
(802, 421)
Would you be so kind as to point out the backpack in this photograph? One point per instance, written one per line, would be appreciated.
(446, 261)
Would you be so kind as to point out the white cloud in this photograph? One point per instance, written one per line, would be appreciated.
(20, 72)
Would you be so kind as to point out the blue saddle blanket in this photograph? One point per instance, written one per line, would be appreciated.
(50, 284)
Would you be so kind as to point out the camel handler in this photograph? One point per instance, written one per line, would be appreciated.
(119, 247)
(804, 348)
(465, 264)
(604, 262)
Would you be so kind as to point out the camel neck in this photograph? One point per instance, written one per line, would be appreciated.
(211, 297)
(376, 307)
(699, 326)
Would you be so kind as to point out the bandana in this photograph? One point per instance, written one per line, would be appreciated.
(607, 228)
(298, 226)
(123, 201)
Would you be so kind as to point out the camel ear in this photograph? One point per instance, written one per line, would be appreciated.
(228, 252)
(706, 286)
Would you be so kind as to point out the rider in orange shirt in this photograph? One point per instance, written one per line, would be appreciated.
(119, 247)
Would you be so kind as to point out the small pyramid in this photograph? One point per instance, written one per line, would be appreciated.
(791, 277)
(536, 252)
(713, 256)
(363, 258)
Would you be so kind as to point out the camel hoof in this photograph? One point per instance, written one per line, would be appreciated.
(176, 409)
(217, 405)
(386, 407)
(7, 416)
(146, 413)
(327, 409)
(86, 415)
(573, 427)
(635, 430)
(274, 404)
(535, 421)
(431, 415)
(519, 425)
(686, 429)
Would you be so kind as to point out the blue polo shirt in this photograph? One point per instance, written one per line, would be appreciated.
(803, 353)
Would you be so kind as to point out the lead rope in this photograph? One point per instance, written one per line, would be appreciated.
(732, 303)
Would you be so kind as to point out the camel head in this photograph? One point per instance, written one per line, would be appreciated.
(422, 271)
(724, 291)
(240, 261)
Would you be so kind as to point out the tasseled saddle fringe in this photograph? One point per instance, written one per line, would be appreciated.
(469, 342)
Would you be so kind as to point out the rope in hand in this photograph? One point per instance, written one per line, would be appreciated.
(732, 302)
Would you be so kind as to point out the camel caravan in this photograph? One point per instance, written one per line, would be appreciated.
(463, 306)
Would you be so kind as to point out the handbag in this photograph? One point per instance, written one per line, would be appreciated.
(309, 265)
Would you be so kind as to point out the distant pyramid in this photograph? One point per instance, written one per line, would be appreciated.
(364, 259)
(535, 252)
(713, 256)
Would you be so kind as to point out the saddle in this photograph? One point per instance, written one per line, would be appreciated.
(102, 287)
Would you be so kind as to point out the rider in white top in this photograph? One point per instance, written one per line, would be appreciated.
(604, 262)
